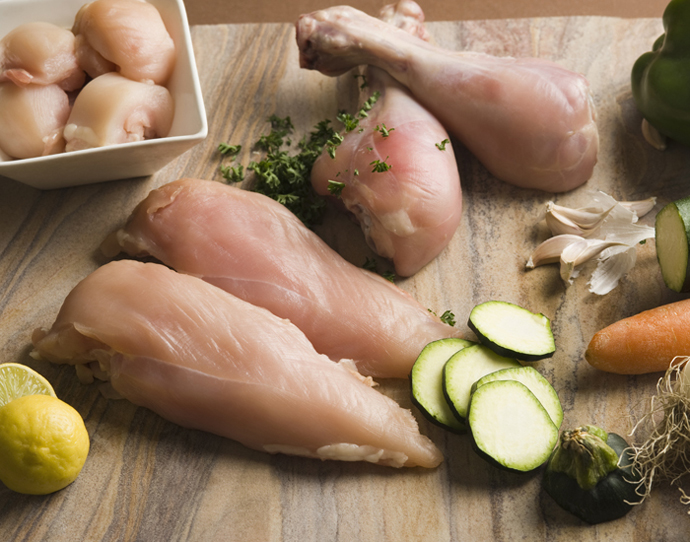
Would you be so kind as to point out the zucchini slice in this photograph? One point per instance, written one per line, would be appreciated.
(536, 383)
(464, 369)
(509, 426)
(672, 236)
(512, 331)
(426, 380)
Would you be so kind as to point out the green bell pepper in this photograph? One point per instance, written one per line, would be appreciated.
(661, 78)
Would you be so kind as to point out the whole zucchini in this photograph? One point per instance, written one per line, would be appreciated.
(590, 475)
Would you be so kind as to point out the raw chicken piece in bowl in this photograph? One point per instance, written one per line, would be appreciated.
(134, 159)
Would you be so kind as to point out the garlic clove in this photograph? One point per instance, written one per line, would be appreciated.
(641, 207)
(655, 138)
(551, 249)
(577, 254)
(584, 222)
(606, 230)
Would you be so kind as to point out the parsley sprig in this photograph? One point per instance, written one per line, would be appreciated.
(284, 172)
(284, 175)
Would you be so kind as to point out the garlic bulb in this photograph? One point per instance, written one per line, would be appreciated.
(606, 231)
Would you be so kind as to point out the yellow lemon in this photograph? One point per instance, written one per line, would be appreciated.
(43, 444)
(17, 380)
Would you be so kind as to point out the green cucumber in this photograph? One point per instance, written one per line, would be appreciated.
(426, 381)
(672, 236)
(535, 382)
(512, 331)
(466, 367)
(510, 428)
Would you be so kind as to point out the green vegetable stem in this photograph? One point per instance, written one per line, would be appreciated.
(661, 78)
(590, 475)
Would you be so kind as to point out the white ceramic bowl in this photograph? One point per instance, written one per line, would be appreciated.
(117, 161)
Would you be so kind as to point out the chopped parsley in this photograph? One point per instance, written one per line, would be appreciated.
(232, 174)
(389, 276)
(333, 144)
(335, 188)
(447, 317)
(349, 121)
(385, 132)
(364, 83)
(283, 173)
(379, 166)
(370, 265)
(367, 106)
(229, 150)
(442, 145)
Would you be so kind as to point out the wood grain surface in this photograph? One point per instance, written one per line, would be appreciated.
(149, 480)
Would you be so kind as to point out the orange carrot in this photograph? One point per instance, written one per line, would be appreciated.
(644, 343)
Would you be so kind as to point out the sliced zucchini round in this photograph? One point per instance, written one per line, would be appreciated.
(509, 426)
(672, 237)
(466, 367)
(426, 381)
(512, 331)
(536, 383)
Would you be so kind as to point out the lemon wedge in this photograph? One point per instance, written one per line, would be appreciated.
(17, 380)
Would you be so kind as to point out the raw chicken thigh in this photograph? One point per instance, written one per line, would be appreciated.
(41, 54)
(254, 248)
(204, 359)
(409, 212)
(530, 122)
(112, 109)
(32, 119)
(128, 36)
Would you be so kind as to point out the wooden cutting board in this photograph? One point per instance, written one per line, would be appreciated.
(147, 479)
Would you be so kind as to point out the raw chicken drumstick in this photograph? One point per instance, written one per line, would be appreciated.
(530, 121)
(254, 248)
(409, 212)
(204, 359)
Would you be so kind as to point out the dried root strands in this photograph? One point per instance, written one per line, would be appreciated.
(665, 454)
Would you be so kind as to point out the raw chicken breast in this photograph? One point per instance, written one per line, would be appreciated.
(128, 36)
(41, 54)
(410, 212)
(32, 119)
(530, 121)
(112, 109)
(254, 248)
(204, 359)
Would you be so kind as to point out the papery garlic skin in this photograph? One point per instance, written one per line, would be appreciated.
(611, 269)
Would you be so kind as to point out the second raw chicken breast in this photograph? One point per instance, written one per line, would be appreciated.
(254, 248)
